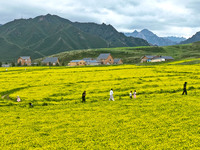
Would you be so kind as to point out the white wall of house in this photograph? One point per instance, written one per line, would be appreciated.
(158, 60)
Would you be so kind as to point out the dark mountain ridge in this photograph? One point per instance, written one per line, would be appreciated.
(51, 34)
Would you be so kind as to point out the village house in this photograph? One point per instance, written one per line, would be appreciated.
(105, 59)
(156, 58)
(118, 61)
(146, 58)
(77, 63)
(51, 61)
(24, 60)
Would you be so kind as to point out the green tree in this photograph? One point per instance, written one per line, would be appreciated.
(0, 63)
(13, 64)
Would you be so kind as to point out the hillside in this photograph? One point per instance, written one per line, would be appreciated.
(151, 38)
(133, 54)
(110, 34)
(193, 39)
(50, 34)
(175, 39)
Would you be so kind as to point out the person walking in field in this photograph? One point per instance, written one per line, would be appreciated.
(18, 99)
(134, 94)
(111, 95)
(184, 88)
(83, 96)
(131, 95)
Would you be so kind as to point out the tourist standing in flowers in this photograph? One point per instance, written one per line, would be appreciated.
(111, 95)
(18, 99)
(184, 88)
(134, 94)
(131, 94)
(83, 96)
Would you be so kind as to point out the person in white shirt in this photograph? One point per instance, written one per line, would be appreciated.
(131, 94)
(111, 95)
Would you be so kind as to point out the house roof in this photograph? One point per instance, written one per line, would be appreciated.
(92, 61)
(25, 57)
(167, 57)
(86, 59)
(116, 60)
(149, 57)
(103, 56)
(76, 60)
(50, 59)
(157, 57)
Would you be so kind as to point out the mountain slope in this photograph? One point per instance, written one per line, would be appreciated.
(175, 39)
(50, 34)
(151, 38)
(193, 39)
(110, 34)
(14, 51)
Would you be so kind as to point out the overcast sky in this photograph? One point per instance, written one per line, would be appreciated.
(163, 17)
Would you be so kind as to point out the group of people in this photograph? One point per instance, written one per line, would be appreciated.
(111, 95)
(131, 94)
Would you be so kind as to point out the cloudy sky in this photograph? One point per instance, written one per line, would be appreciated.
(163, 17)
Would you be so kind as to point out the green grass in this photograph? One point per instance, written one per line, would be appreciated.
(132, 55)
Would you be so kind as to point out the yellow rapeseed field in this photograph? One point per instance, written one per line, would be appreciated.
(160, 117)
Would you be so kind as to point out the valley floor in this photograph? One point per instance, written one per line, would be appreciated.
(159, 118)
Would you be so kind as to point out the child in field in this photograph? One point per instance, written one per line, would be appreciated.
(131, 94)
(134, 94)
(18, 99)
(111, 95)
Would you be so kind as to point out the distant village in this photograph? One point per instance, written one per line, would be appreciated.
(102, 59)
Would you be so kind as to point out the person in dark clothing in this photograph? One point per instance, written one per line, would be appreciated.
(83, 96)
(30, 105)
(184, 89)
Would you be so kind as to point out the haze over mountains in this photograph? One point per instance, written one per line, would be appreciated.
(154, 39)
(51, 34)
(175, 39)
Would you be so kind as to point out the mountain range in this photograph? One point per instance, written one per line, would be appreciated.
(175, 39)
(193, 39)
(154, 39)
(51, 34)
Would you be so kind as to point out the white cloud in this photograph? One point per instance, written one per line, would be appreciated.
(164, 17)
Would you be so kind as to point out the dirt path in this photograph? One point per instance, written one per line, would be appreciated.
(5, 97)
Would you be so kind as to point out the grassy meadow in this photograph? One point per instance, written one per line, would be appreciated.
(159, 118)
(131, 55)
